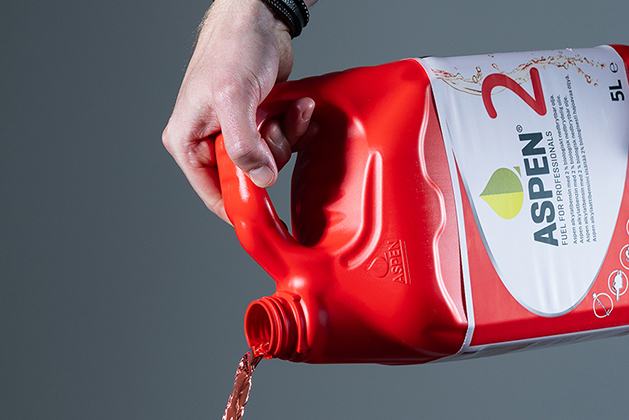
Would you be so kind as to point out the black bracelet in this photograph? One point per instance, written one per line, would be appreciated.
(294, 13)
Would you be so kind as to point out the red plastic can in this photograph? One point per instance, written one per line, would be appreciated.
(389, 260)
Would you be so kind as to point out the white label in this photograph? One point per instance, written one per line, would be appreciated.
(541, 143)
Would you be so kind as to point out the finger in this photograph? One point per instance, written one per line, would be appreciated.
(277, 143)
(304, 141)
(204, 180)
(198, 163)
(297, 119)
(201, 153)
(296, 128)
(243, 142)
(206, 184)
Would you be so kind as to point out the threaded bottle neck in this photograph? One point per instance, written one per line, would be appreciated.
(277, 323)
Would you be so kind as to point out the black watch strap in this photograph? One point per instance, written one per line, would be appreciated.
(294, 13)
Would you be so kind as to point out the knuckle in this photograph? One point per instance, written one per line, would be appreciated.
(167, 140)
(242, 153)
(231, 90)
(229, 96)
(178, 149)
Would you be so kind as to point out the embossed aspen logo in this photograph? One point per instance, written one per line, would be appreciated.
(392, 264)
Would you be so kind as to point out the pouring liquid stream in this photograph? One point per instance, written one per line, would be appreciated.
(235, 408)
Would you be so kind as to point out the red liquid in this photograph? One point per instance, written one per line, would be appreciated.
(235, 409)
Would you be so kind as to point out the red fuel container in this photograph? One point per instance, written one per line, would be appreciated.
(389, 260)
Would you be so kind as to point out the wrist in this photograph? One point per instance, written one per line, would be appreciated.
(293, 13)
(245, 12)
(248, 13)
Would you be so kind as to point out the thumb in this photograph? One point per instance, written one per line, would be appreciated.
(245, 145)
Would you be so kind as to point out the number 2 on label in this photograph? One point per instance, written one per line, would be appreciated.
(537, 103)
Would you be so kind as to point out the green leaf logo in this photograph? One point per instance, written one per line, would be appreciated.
(504, 193)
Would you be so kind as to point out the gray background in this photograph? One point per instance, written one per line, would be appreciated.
(122, 297)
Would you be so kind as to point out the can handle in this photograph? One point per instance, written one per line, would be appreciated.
(259, 229)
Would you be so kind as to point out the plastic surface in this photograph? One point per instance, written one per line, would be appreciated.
(372, 272)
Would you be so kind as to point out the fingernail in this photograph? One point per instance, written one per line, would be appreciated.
(262, 176)
(307, 114)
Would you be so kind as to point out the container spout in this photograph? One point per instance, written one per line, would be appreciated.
(277, 326)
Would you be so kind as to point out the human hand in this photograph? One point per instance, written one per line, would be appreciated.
(242, 51)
